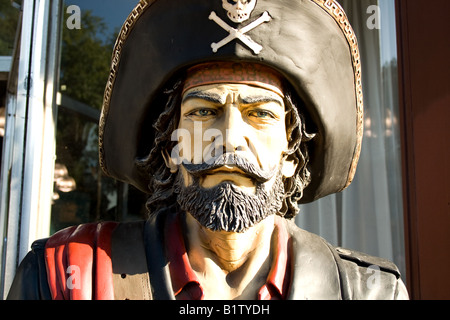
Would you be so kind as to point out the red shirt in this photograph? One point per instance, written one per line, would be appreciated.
(186, 285)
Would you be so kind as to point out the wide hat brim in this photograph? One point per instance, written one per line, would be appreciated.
(309, 42)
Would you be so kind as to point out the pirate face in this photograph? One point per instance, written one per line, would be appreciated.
(232, 119)
(232, 125)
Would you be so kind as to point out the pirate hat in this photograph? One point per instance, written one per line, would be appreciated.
(309, 42)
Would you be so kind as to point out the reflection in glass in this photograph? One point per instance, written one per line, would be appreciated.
(82, 192)
(9, 15)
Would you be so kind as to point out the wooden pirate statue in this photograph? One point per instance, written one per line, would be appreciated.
(228, 114)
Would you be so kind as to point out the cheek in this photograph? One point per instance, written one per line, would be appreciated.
(271, 146)
(189, 144)
(201, 138)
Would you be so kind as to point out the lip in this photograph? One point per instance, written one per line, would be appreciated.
(227, 169)
(230, 164)
(228, 173)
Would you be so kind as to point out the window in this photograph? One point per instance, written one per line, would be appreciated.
(82, 192)
(368, 216)
(9, 18)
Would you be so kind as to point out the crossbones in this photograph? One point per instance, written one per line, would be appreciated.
(239, 33)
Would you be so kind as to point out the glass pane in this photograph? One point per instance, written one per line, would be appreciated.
(9, 14)
(368, 215)
(78, 193)
(82, 192)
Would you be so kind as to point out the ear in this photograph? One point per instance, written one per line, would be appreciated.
(288, 167)
(169, 161)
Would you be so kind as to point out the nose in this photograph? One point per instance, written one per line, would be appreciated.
(235, 131)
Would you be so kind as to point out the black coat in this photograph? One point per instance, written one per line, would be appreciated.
(140, 269)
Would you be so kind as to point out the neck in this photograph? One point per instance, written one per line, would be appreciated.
(229, 250)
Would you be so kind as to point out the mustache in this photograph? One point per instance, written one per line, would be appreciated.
(231, 159)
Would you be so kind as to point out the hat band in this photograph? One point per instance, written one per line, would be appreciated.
(234, 72)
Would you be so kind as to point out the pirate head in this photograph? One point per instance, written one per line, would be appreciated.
(237, 150)
(290, 69)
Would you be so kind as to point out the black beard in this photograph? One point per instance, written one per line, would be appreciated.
(226, 207)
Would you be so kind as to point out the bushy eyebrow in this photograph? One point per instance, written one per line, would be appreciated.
(256, 99)
(208, 96)
(221, 99)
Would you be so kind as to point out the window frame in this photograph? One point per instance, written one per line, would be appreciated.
(29, 143)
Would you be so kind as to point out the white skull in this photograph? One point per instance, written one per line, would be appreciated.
(239, 10)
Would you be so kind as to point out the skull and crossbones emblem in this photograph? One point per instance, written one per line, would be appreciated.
(239, 11)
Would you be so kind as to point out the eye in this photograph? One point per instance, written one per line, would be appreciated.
(202, 112)
(261, 114)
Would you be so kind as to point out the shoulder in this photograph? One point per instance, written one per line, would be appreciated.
(95, 234)
(83, 233)
(367, 261)
(85, 245)
(90, 232)
(80, 256)
(361, 276)
(370, 277)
